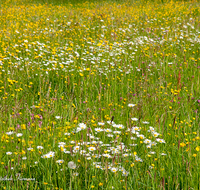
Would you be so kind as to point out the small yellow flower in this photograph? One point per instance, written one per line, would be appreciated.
(197, 149)
(92, 186)
(182, 144)
(100, 184)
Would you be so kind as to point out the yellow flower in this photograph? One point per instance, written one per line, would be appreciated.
(100, 184)
(197, 149)
(132, 164)
(182, 144)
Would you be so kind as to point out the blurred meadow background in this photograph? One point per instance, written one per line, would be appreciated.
(99, 94)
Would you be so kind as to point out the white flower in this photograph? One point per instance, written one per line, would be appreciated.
(146, 141)
(141, 136)
(98, 130)
(148, 146)
(49, 155)
(77, 130)
(151, 129)
(163, 154)
(98, 166)
(145, 122)
(39, 147)
(131, 105)
(160, 140)
(134, 119)
(101, 123)
(8, 153)
(67, 152)
(24, 158)
(133, 138)
(19, 134)
(126, 155)
(155, 134)
(82, 126)
(82, 151)
(114, 169)
(62, 143)
(9, 133)
(135, 129)
(110, 135)
(109, 122)
(107, 155)
(132, 144)
(57, 117)
(75, 174)
(120, 126)
(76, 147)
(30, 148)
(92, 148)
(59, 161)
(125, 173)
(71, 165)
(121, 147)
(108, 130)
(117, 132)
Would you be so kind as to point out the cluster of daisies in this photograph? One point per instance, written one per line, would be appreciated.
(106, 146)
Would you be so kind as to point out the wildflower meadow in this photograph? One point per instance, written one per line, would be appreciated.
(99, 94)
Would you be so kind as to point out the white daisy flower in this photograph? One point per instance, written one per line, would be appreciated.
(160, 140)
(91, 148)
(108, 130)
(125, 173)
(98, 130)
(110, 135)
(19, 134)
(9, 133)
(59, 161)
(76, 148)
(40, 147)
(82, 126)
(131, 105)
(134, 119)
(145, 122)
(101, 123)
(49, 155)
(114, 169)
(146, 141)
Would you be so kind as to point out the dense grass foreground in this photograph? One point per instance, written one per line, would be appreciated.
(99, 95)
